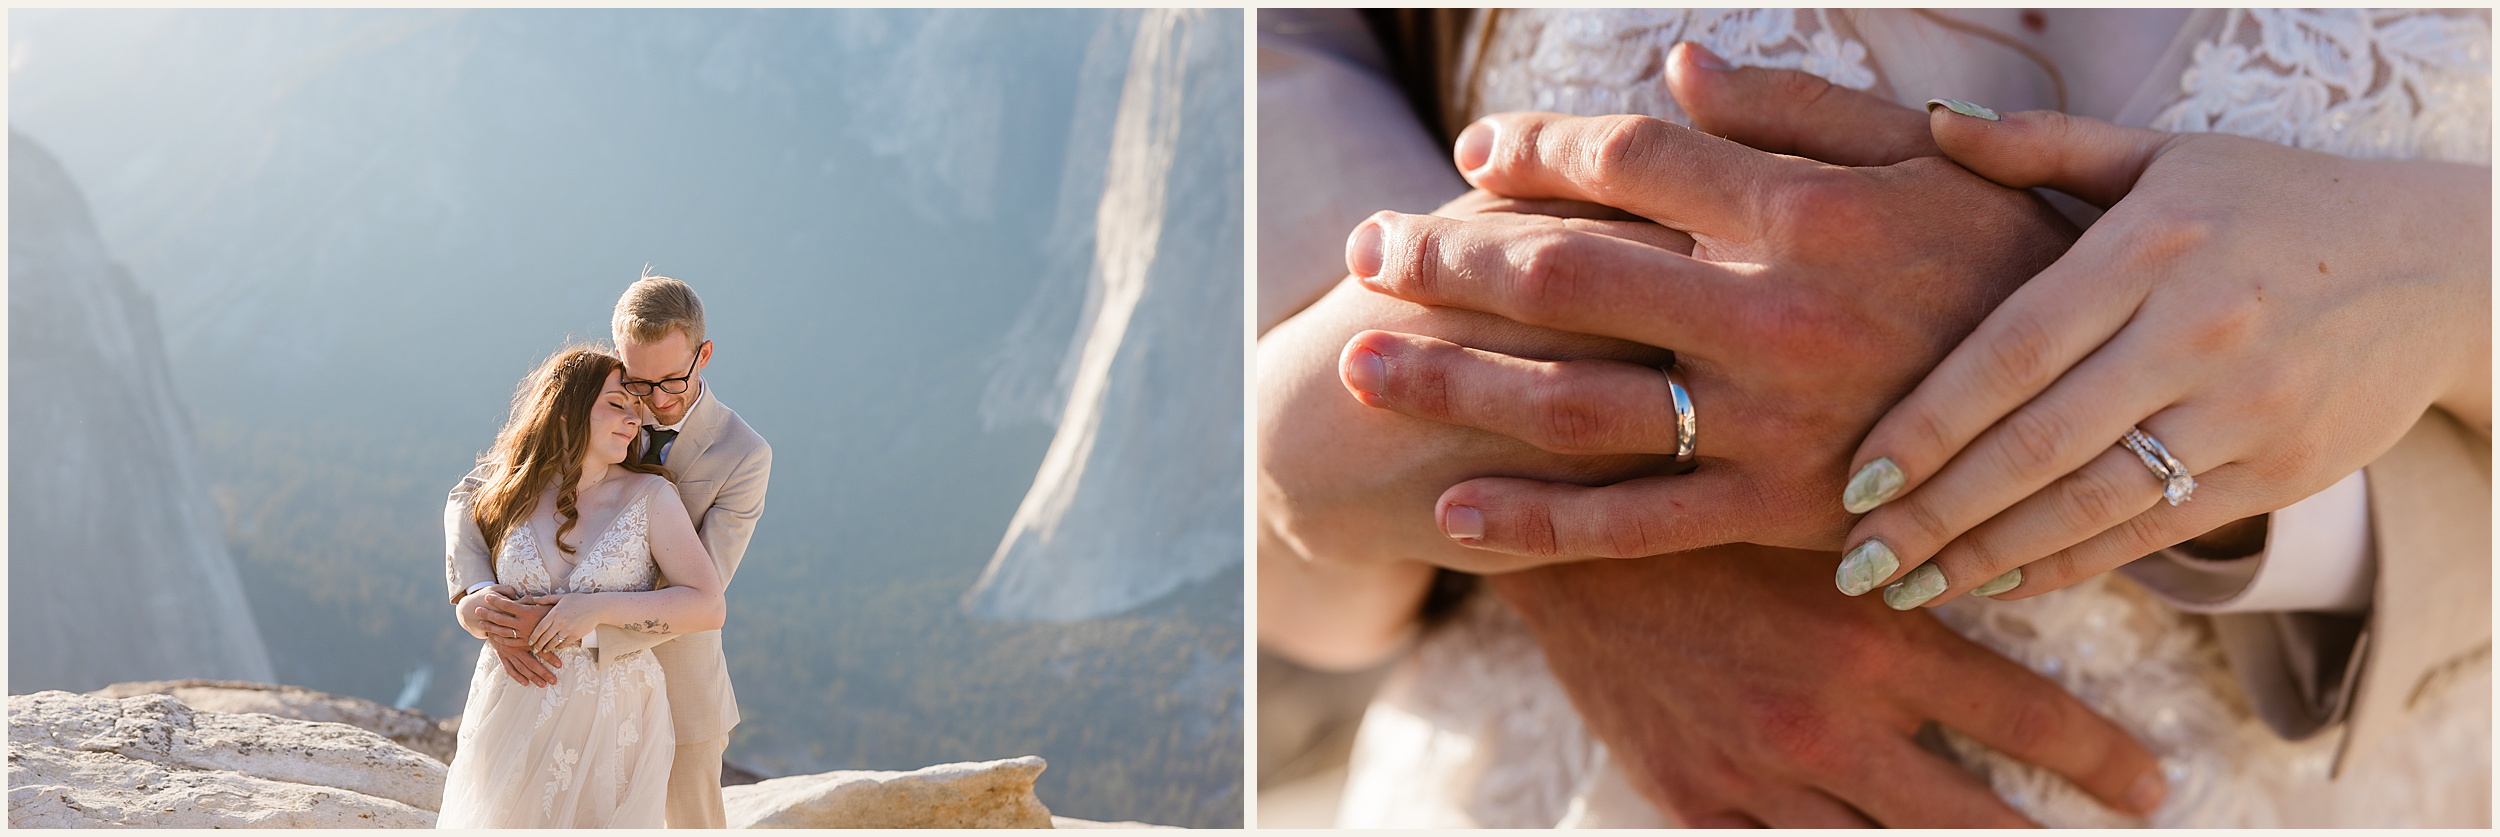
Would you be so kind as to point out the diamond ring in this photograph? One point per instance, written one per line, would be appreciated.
(2176, 483)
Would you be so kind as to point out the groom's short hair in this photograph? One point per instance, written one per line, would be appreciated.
(655, 305)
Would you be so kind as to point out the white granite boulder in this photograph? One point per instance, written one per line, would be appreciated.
(413, 730)
(989, 794)
(151, 761)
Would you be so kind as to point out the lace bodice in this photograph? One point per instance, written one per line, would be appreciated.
(2372, 84)
(2375, 84)
(619, 561)
(591, 751)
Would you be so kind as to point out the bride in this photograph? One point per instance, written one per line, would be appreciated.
(592, 750)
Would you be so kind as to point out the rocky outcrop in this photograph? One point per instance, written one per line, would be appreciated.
(989, 794)
(150, 761)
(158, 755)
(109, 515)
(413, 730)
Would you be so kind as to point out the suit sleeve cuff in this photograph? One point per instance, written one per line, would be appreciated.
(2317, 558)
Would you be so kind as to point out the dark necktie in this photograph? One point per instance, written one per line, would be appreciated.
(655, 451)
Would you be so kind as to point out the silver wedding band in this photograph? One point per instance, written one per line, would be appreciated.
(2176, 483)
(1686, 436)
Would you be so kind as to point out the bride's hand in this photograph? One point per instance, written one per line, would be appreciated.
(2275, 318)
(573, 616)
(1815, 296)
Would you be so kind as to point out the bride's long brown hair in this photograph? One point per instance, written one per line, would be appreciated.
(543, 442)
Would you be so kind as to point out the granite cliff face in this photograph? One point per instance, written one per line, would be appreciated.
(1140, 491)
(118, 567)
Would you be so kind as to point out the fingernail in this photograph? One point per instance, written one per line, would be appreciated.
(2011, 579)
(1915, 589)
(1462, 523)
(1703, 57)
(1872, 486)
(1964, 108)
(1475, 145)
(1866, 565)
(1362, 250)
(2147, 793)
(1367, 374)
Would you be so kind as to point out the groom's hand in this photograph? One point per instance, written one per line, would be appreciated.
(1815, 296)
(506, 624)
(1734, 686)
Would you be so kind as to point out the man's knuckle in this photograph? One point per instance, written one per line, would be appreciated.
(1549, 279)
(1426, 385)
(1831, 204)
(1421, 269)
(1800, 89)
(1796, 734)
(1626, 147)
(2037, 724)
(1569, 414)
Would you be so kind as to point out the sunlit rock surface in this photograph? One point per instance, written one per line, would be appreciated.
(413, 730)
(150, 761)
(989, 794)
(118, 568)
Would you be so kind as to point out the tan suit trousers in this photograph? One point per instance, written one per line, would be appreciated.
(694, 786)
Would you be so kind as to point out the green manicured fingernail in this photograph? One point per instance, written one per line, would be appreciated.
(2011, 579)
(1866, 566)
(1915, 589)
(1872, 486)
(1964, 108)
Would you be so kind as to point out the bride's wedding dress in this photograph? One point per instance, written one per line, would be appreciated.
(592, 751)
(1472, 730)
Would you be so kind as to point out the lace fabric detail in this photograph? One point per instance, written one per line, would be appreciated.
(2373, 84)
(604, 733)
(2159, 674)
(1603, 61)
(1475, 705)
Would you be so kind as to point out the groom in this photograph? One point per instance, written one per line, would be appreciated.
(720, 467)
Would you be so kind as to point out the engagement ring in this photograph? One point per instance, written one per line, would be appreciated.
(2176, 483)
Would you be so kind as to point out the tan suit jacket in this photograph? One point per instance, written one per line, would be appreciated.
(722, 467)
(2430, 524)
(2430, 520)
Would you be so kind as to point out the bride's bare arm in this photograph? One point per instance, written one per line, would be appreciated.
(1337, 141)
(691, 602)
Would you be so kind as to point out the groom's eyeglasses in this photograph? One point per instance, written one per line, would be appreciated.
(672, 386)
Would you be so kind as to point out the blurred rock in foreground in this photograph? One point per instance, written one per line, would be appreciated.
(225, 754)
(413, 730)
(989, 794)
(86, 761)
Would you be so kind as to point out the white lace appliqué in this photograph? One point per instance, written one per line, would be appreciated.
(2363, 83)
(1593, 62)
(600, 722)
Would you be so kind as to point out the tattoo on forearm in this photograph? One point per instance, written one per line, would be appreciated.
(650, 626)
